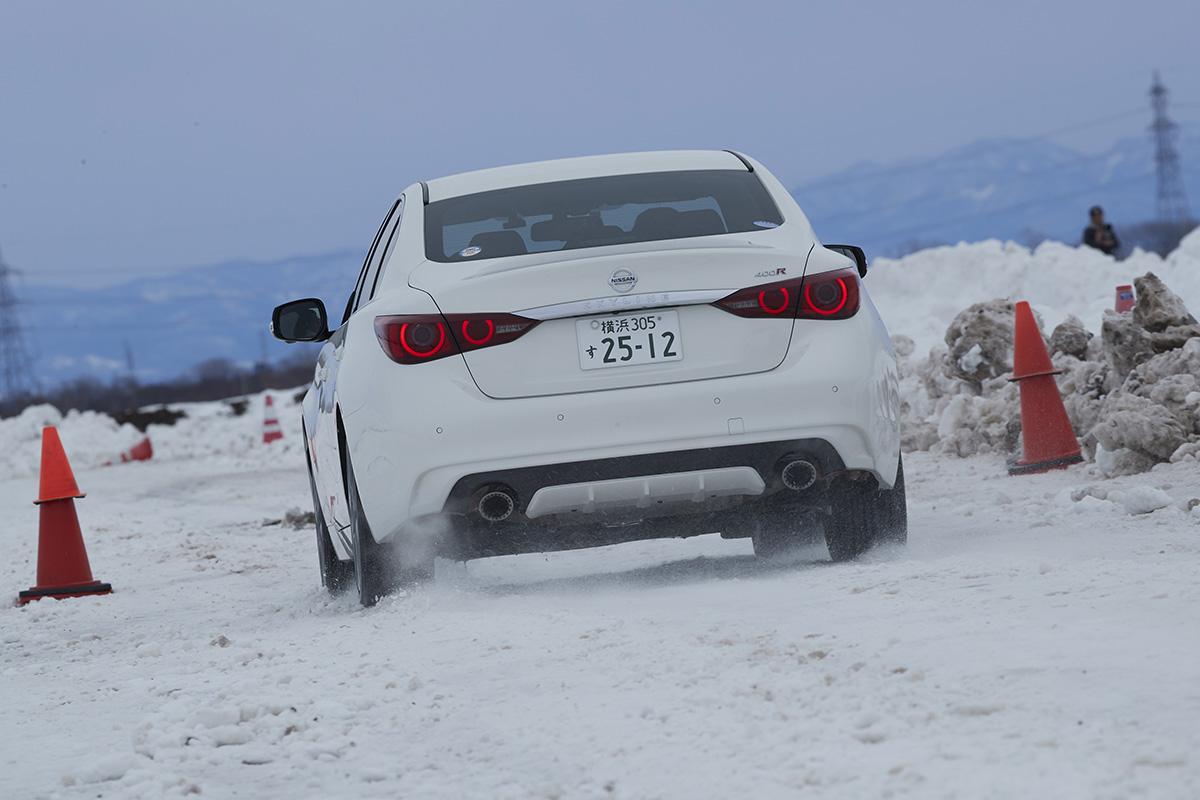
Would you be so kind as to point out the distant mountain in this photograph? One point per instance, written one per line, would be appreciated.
(996, 188)
(176, 320)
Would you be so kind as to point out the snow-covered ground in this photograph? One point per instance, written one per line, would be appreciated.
(1025, 643)
(1039, 636)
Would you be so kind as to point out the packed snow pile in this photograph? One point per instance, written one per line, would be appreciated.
(920, 294)
(1132, 393)
(93, 439)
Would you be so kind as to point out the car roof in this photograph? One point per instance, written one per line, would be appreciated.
(587, 167)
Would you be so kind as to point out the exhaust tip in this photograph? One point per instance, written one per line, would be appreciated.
(799, 474)
(497, 505)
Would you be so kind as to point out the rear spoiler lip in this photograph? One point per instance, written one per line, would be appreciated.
(741, 158)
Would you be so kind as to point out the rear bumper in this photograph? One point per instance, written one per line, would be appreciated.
(420, 447)
(682, 493)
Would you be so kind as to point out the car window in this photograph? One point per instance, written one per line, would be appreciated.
(376, 256)
(352, 303)
(386, 251)
(593, 212)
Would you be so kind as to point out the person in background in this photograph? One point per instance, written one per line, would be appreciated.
(1099, 234)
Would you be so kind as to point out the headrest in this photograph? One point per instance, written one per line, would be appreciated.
(563, 228)
(595, 237)
(704, 222)
(664, 222)
(656, 223)
(499, 243)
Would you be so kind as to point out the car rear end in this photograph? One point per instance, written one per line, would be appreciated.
(647, 348)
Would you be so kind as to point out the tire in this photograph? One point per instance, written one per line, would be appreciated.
(336, 575)
(780, 530)
(859, 521)
(380, 569)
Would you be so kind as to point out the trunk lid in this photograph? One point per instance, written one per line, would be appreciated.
(561, 288)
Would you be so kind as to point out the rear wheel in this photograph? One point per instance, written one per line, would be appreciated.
(861, 520)
(380, 569)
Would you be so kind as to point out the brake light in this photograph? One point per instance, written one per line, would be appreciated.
(417, 338)
(829, 295)
(764, 301)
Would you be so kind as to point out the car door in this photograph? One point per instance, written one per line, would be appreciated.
(327, 447)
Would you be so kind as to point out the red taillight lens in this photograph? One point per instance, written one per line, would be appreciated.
(417, 338)
(414, 339)
(484, 331)
(476, 331)
(764, 301)
(775, 300)
(830, 295)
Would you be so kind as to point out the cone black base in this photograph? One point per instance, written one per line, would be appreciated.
(60, 592)
(1018, 468)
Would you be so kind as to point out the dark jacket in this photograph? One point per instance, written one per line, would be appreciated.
(1106, 241)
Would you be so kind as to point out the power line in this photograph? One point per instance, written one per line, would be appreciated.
(912, 205)
(1006, 209)
(923, 164)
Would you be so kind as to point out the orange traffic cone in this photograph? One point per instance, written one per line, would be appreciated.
(1046, 436)
(271, 430)
(63, 569)
(142, 451)
(1125, 301)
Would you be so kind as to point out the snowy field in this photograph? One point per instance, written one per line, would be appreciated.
(1039, 636)
(1025, 643)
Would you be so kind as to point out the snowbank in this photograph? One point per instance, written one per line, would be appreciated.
(950, 312)
(209, 430)
(1132, 394)
(90, 438)
(239, 437)
(920, 294)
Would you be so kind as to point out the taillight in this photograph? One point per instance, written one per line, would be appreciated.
(829, 295)
(764, 301)
(416, 338)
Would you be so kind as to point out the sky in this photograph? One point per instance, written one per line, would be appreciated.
(142, 137)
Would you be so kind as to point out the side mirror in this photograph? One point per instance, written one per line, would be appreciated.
(300, 321)
(854, 253)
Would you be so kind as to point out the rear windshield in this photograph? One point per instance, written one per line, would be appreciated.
(594, 212)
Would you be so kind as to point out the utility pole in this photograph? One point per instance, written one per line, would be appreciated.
(16, 372)
(1172, 203)
(131, 382)
(262, 350)
(129, 363)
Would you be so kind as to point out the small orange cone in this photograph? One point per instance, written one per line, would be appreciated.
(63, 569)
(142, 451)
(1125, 301)
(271, 430)
(1046, 436)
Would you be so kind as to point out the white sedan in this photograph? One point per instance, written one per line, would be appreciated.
(597, 350)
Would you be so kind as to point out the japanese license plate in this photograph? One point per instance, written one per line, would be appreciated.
(627, 339)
